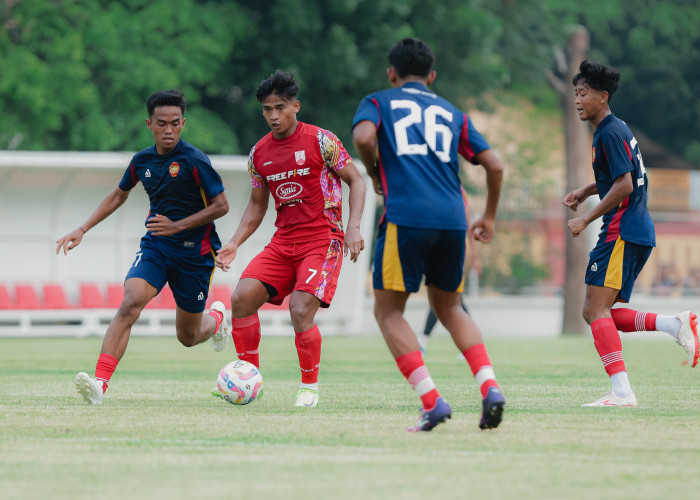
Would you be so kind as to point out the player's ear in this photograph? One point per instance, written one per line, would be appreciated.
(391, 74)
(148, 123)
(183, 121)
(297, 105)
(431, 78)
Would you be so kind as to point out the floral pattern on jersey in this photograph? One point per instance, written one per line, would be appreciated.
(255, 177)
(333, 256)
(335, 157)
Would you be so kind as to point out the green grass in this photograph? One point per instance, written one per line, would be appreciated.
(161, 435)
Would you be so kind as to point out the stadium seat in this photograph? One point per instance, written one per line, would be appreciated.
(115, 295)
(90, 296)
(25, 297)
(166, 299)
(5, 299)
(221, 293)
(54, 297)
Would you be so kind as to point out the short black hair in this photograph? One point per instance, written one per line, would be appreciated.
(172, 97)
(411, 56)
(598, 76)
(279, 83)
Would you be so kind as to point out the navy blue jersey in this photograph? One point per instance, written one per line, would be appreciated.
(616, 152)
(179, 184)
(420, 137)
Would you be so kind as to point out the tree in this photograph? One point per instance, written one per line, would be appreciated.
(578, 156)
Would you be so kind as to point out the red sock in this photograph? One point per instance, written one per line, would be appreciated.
(218, 318)
(412, 367)
(607, 342)
(309, 352)
(629, 320)
(246, 338)
(106, 364)
(479, 362)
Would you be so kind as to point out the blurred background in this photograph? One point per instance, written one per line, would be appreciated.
(74, 75)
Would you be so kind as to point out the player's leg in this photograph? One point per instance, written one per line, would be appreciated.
(399, 262)
(430, 321)
(307, 339)
(137, 293)
(249, 296)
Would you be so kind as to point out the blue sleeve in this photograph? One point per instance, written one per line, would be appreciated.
(129, 179)
(208, 178)
(471, 142)
(367, 110)
(618, 154)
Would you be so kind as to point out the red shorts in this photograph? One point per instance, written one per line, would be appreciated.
(310, 266)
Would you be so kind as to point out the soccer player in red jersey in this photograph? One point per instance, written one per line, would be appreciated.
(410, 140)
(626, 238)
(301, 165)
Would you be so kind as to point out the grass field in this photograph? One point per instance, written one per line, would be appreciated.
(161, 435)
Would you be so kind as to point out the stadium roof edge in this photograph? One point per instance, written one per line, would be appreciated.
(98, 160)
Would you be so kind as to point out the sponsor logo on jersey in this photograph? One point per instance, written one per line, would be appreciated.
(288, 190)
(300, 157)
(594, 154)
(188, 244)
(174, 169)
(288, 174)
(268, 163)
(148, 173)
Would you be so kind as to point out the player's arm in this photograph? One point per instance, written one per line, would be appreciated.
(474, 260)
(253, 215)
(107, 206)
(578, 196)
(364, 137)
(354, 242)
(484, 228)
(160, 225)
(621, 189)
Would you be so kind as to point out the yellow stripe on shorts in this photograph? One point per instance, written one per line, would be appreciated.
(613, 277)
(392, 274)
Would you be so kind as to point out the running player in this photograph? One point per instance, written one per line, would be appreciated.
(409, 139)
(626, 239)
(302, 166)
(186, 196)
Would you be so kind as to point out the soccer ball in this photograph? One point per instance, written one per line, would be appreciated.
(239, 382)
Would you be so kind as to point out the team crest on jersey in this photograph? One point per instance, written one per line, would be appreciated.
(174, 169)
(300, 157)
(594, 154)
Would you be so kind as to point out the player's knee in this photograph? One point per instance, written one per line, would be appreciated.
(241, 305)
(129, 310)
(186, 337)
(588, 314)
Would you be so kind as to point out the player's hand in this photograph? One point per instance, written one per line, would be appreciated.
(483, 229)
(573, 199)
(69, 241)
(160, 225)
(225, 256)
(354, 243)
(577, 225)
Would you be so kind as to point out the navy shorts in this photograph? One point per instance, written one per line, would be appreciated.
(404, 254)
(189, 277)
(616, 264)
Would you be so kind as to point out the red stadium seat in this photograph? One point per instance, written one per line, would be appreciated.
(167, 301)
(115, 295)
(25, 297)
(221, 293)
(54, 297)
(90, 296)
(5, 299)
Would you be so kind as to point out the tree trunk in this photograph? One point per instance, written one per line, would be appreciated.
(578, 163)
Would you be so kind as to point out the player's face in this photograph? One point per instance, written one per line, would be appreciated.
(166, 125)
(591, 104)
(281, 115)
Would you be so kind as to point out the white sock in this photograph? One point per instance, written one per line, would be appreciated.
(313, 387)
(668, 324)
(621, 384)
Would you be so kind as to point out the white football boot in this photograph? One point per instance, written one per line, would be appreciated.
(612, 399)
(307, 398)
(688, 336)
(220, 337)
(89, 388)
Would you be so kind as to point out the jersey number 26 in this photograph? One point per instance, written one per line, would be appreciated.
(432, 128)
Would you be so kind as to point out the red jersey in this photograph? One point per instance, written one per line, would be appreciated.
(300, 171)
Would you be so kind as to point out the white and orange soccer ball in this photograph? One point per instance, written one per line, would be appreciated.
(239, 382)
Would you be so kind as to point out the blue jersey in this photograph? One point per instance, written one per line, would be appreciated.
(420, 137)
(616, 152)
(179, 184)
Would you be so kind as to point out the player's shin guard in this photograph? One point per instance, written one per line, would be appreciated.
(246, 338)
(629, 320)
(308, 345)
(106, 364)
(480, 364)
(412, 367)
(608, 344)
